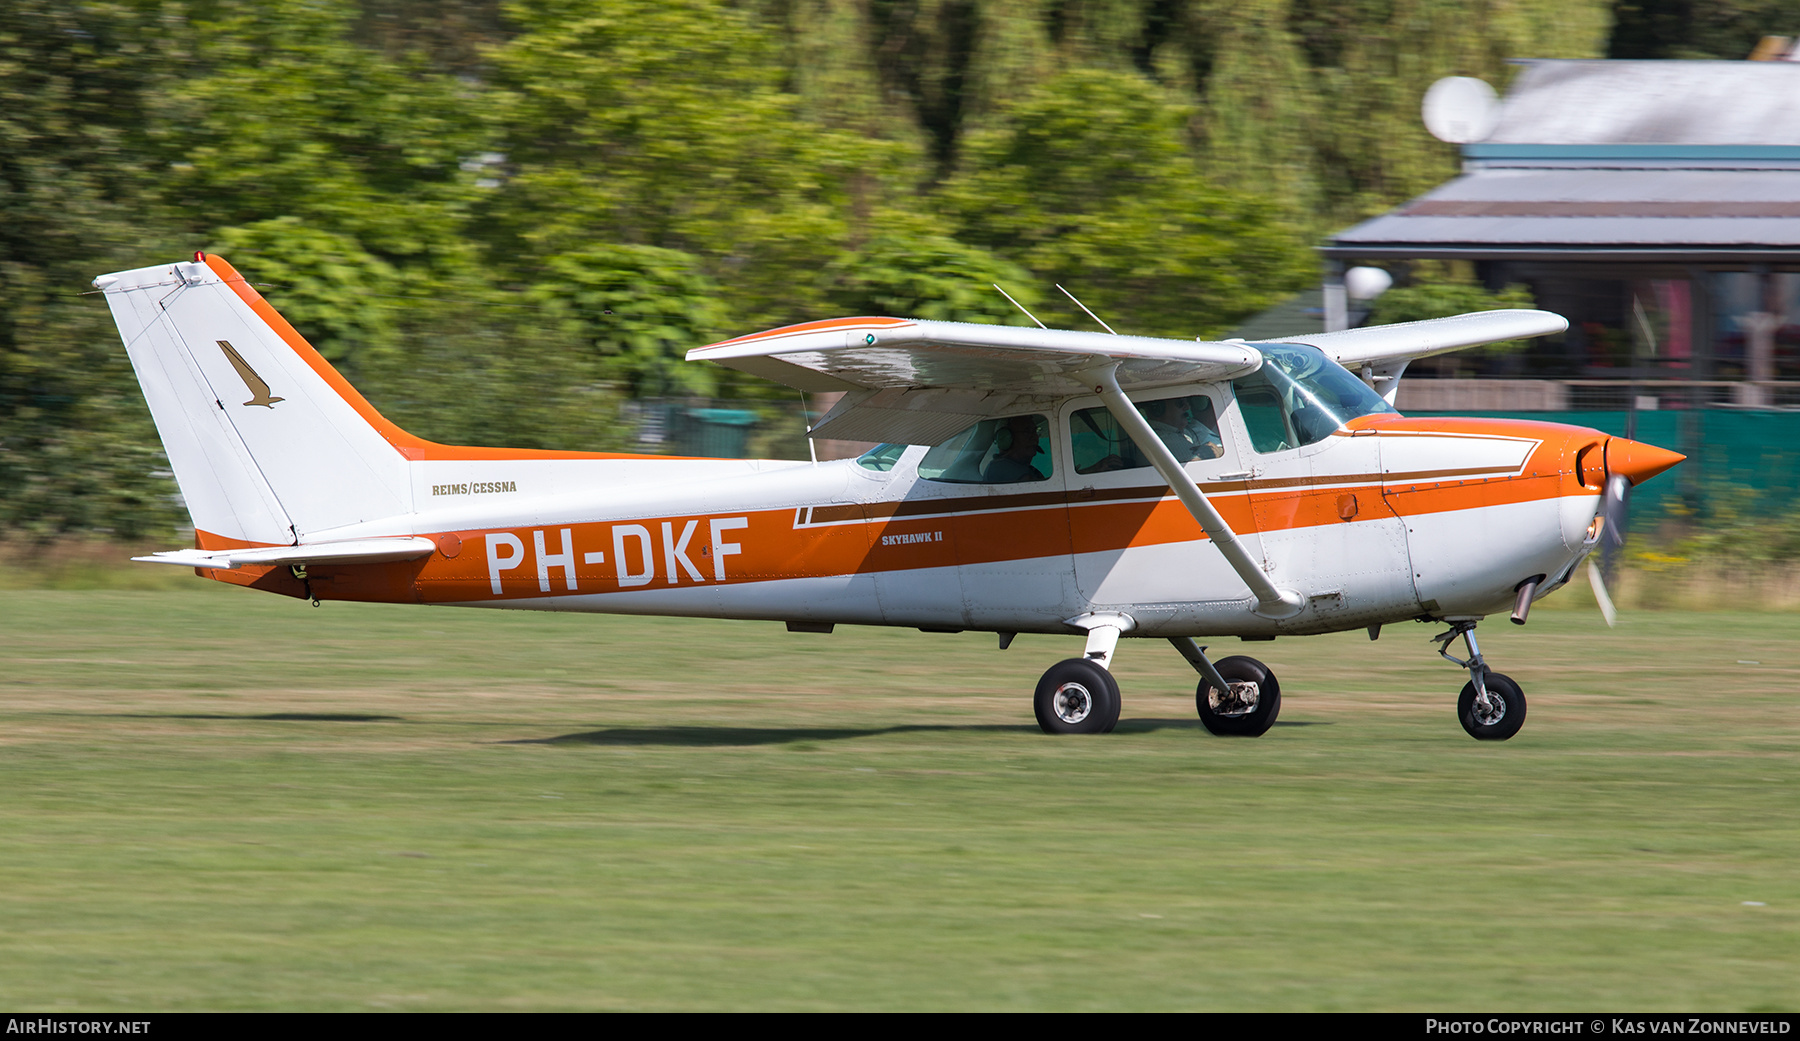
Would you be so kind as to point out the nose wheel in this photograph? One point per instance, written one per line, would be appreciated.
(1501, 717)
(1491, 706)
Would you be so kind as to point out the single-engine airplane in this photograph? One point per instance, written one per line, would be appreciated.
(1027, 480)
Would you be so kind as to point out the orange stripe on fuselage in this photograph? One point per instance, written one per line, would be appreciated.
(769, 546)
(835, 539)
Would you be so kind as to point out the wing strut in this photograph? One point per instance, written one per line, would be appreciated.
(1270, 601)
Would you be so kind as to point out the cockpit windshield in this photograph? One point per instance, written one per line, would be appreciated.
(1300, 396)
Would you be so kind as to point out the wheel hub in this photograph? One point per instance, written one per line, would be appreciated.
(1072, 703)
(1492, 712)
(1241, 700)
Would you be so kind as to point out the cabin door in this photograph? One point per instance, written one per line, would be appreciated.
(1134, 543)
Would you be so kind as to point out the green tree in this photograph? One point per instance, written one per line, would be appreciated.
(636, 310)
(287, 116)
(1322, 98)
(912, 69)
(480, 365)
(344, 300)
(77, 450)
(343, 177)
(451, 35)
(666, 125)
(909, 270)
(448, 197)
(1089, 182)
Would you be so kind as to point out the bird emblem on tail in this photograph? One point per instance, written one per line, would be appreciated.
(259, 391)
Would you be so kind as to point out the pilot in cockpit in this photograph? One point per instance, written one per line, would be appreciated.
(1017, 444)
(1173, 421)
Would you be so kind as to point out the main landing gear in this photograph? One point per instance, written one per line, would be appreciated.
(1249, 704)
(1491, 706)
(1237, 696)
(1077, 697)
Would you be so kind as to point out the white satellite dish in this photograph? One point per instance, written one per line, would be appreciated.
(1461, 109)
(1366, 283)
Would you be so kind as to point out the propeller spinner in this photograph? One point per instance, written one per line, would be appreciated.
(1628, 463)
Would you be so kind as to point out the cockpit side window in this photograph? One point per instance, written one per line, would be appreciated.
(1009, 450)
(1265, 420)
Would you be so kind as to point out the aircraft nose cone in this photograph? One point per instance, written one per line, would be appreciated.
(1638, 462)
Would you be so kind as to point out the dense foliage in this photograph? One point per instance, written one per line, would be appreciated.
(504, 219)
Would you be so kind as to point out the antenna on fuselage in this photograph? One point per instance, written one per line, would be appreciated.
(1090, 314)
(1018, 305)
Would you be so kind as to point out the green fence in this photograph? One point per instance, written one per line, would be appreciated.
(719, 428)
(1728, 450)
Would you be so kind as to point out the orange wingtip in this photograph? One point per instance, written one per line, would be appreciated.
(873, 321)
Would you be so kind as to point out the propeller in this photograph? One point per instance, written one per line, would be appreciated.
(1615, 506)
(1615, 513)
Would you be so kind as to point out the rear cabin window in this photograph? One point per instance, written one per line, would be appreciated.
(1186, 425)
(1010, 450)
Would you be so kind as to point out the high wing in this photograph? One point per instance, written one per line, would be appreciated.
(918, 382)
(1380, 353)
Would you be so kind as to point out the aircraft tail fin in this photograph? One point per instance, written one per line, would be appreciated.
(268, 442)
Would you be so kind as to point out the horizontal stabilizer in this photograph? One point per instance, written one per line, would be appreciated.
(350, 551)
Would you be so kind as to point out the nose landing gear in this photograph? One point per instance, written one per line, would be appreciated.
(1491, 706)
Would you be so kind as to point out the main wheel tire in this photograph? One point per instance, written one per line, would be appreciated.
(1505, 715)
(1076, 697)
(1232, 716)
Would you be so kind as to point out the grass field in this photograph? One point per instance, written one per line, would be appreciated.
(215, 799)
